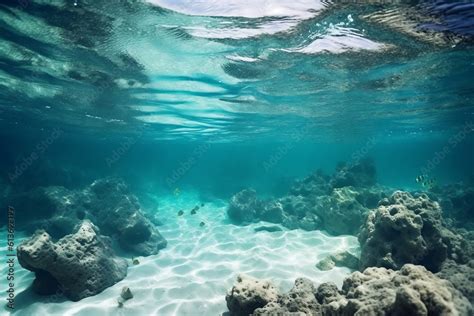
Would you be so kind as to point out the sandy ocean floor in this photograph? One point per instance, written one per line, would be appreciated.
(192, 275)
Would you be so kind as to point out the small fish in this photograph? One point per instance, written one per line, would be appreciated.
(193, 211)
(202, 224)
(420, 178)
(180, 213)
(135, 261)
(177, 191)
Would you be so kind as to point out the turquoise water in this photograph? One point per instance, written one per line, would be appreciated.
(190, 102)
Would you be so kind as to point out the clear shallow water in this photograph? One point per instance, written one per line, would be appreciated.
(210, 97)
(192, 275)
(226, 71)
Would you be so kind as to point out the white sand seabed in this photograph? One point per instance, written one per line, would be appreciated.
(192, 274)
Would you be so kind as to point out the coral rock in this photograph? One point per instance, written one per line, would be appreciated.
(340, 259)
(248, 294)
(412, 290)
(461, 276)
(359, 174)
(82, 264)
(244, 207)
(407, 229)
(108, 204)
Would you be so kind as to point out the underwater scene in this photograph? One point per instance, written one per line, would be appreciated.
(237, 157)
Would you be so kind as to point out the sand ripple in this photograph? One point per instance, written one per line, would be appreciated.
(191, 276)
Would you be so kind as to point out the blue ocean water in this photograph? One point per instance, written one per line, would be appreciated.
(194, 101)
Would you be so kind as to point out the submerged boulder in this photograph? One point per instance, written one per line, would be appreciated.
(316, 184)
(248, 294)
(298, 212)
(457, 202)
(339, 259)
(300, 300)
(341, 212)
(108, 203)
(360, 174)
(461, 276)
(407, 229)
(80, 265)
(337, 204)
(117, 212)
(412, 290)
(244, 207)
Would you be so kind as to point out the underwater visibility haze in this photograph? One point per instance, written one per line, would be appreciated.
(237, 157)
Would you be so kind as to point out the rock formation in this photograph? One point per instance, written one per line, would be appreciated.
(412, 290)
(248, 294)
(407, 229)
(80, 265)
(337, 204)
(106, 202)
(340, 259)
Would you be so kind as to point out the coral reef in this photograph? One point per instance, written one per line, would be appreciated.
(337, 204)
(80, 265)
(106, 202)
(412, 290)
(407, 229)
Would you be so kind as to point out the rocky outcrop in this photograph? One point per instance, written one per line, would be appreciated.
(457, 203)
(337, 204)
(248, 294)
(360, 174)
(300, 299)
(106, 202)
(298, 212)
(117, 212)
(461, 276)
(412, 290)
(340, 259)
(407, 229)
(244, 207)
(316, 184)
(341, 212)
(80, 265)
